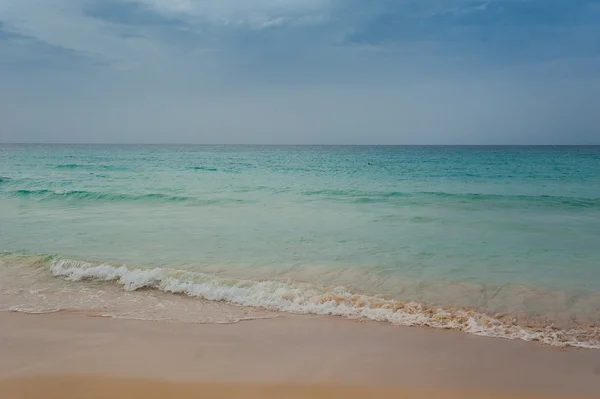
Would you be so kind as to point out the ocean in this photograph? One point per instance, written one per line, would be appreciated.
(495, 241)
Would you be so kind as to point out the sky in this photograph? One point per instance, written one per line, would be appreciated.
(300, 71)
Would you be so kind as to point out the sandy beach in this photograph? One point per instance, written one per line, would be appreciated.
(67, 355)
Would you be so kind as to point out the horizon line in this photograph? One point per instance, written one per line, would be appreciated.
(302, 145)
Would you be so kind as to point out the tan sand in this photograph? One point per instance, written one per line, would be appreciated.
(61, 387)
(66, 356)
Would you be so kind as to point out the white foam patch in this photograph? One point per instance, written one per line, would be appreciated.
(307, 299)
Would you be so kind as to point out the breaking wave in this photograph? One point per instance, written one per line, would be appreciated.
(300, 298)
(83, 195)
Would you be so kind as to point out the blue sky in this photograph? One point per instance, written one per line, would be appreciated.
(300, 71)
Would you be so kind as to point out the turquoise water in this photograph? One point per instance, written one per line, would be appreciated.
(495, 229)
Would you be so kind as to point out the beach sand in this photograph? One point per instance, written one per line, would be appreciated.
(68, 355)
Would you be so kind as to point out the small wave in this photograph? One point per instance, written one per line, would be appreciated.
(204, 168)
(306, 299)
(533, 199)
(357, 193)
(70, 166)
(42, 195)
(90, 195)
(81, 195)
(89, 166)
(500, 200)
(4, 179)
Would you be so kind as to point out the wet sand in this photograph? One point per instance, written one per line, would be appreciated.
(66, 355)
(102, 388)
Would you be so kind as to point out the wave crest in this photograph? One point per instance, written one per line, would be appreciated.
(498, 199)
(338, 301)
(90, 166)
(82, 195)
(204, 168)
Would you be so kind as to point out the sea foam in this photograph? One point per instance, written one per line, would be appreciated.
(300, 298)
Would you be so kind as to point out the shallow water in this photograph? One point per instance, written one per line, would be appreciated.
(489, 230)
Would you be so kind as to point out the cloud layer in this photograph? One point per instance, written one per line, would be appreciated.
(300, 71)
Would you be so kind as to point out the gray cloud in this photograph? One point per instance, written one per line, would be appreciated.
(317, 71)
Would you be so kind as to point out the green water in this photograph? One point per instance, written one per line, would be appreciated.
(497, 228)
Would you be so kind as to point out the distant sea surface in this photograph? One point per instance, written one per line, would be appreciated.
(497, 241)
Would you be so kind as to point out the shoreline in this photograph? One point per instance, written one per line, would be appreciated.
(288, 356)
(72, 284)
